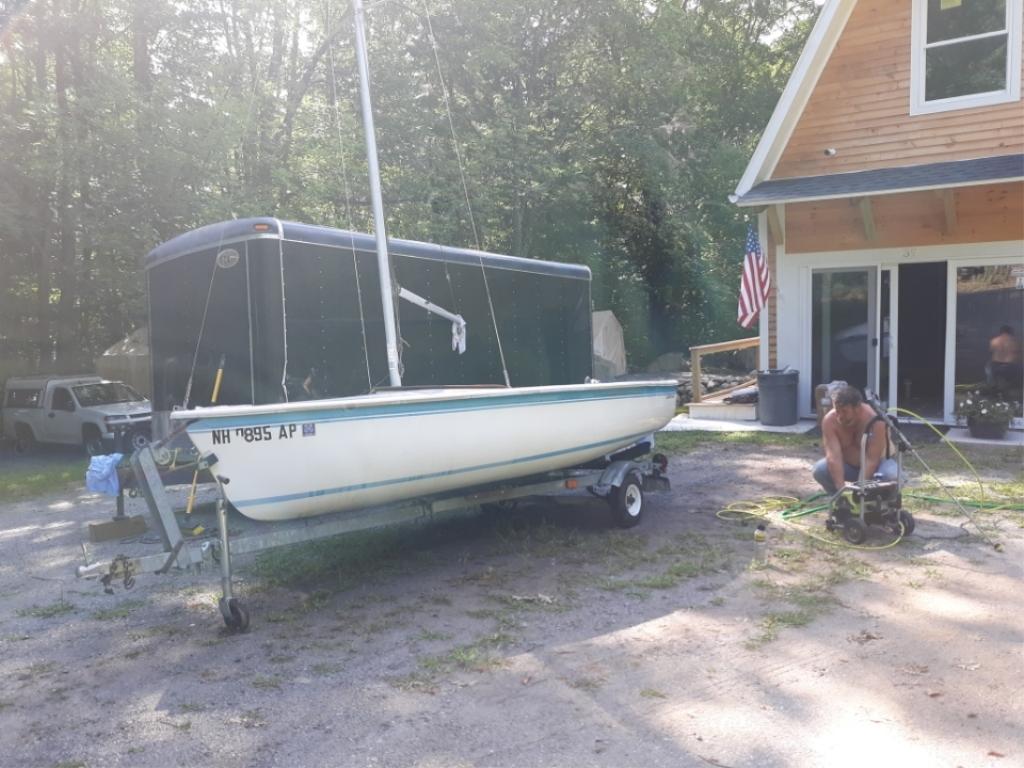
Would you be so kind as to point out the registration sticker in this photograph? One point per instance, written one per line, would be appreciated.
(308, 430)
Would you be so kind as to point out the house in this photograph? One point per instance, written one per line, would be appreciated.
(889, 193)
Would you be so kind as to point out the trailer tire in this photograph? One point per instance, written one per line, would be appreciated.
(627, 501)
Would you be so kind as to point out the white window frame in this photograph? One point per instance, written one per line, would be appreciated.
(919, 31)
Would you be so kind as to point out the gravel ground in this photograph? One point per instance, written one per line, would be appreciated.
(535, 638)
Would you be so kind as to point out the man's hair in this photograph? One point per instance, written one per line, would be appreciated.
(847, 396)
(1006, 329)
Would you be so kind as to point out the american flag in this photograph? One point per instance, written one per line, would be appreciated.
(755, 282)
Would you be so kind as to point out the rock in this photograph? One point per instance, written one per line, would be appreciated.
(670, 362)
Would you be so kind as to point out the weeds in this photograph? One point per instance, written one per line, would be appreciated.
(27, 478)
(47, 611)
(119, 612)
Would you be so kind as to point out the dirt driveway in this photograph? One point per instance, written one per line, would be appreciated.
(542, 638)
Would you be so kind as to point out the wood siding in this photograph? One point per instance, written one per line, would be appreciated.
(983, 214)
(861, 107)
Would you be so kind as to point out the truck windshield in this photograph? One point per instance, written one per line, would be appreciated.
(106, 393)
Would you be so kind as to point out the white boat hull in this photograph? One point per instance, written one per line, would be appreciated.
(309, 458)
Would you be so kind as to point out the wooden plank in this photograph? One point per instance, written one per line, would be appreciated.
(867, 217)
(695, 384)
(949, 208)
(775, 227)
(725, 346)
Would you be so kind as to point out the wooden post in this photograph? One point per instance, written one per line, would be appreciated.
(695, 384)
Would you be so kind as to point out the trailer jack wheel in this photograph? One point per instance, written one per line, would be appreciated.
(628, 501)
(235, 614)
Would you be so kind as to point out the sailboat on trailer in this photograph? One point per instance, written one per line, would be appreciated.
(298, 459)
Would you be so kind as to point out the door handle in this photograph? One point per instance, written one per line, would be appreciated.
(51, 414)
(874, 342)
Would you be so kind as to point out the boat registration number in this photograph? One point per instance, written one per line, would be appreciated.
(263, 434)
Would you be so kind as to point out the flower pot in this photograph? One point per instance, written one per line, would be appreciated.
(987, 430)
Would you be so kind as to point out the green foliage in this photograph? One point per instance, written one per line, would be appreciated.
(26, 478)
(606, 132)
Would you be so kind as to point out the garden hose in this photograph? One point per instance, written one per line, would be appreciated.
(788, 508)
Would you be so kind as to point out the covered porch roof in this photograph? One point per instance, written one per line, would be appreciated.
(908, 178)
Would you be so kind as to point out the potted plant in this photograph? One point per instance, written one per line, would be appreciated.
(987, 414)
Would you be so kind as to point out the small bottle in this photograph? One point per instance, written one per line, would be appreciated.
(761, 545)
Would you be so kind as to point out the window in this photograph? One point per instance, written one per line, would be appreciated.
(966, 53)
(23, 398)
(106, 393)
(62, 400)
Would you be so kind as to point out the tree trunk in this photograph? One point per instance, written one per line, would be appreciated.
(67, 268)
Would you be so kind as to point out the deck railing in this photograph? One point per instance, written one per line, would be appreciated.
(707, 349)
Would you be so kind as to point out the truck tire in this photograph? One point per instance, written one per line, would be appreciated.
(92, 441)
(24, 439)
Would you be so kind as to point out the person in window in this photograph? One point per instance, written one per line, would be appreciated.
(841, 431)
(1004, 369)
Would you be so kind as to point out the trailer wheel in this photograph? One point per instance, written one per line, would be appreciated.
(236, 615)
(627, 501)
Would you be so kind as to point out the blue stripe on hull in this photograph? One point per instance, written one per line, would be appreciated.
(398, 409)
(433, 475)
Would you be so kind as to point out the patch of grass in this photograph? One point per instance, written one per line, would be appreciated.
(679, 443)
(27, 478)
(267, 683)
(771, 624)
(326, 668)
(70, 764)
(652, 693)
(342, 562)
(189, 706)
(586, 683)
(47, 611)
(416, 681)
(428, 636)
(119, 612)
(39, 669)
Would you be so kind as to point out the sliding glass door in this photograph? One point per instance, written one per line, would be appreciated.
(844, 318)
(989, 301)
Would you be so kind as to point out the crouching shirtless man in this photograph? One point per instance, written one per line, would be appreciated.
(841, 432)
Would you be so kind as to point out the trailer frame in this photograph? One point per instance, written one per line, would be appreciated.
(621, 479)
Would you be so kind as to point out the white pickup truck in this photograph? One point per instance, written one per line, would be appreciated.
(74, 410)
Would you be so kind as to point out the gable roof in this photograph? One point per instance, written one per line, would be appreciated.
(808, 69)
(953, 173)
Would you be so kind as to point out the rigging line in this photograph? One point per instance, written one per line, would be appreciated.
(465, 191)
(202, 325)
(348, 203)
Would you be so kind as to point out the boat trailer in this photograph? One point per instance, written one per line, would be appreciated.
(621, 479)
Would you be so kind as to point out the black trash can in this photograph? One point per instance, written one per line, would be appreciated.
(777, 397)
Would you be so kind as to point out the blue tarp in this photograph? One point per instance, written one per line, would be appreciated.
(101, 476)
